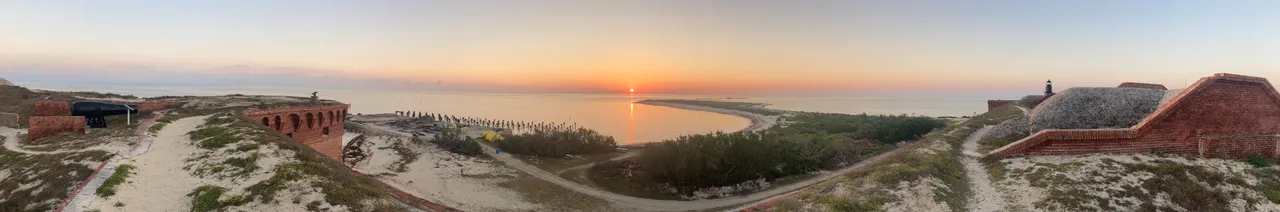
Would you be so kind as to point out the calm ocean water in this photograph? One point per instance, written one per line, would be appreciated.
(611, 114)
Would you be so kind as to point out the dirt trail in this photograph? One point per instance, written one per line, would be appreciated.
(983, 197)
(630, 203)
(162, 182)
(84, 195)
(643, 204)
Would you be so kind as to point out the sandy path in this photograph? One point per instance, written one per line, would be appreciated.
(159, 182)
(758, 121)
(983, 197)
(11, 140)
(583, 166)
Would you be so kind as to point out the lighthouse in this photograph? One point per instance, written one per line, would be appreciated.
(1048, 88)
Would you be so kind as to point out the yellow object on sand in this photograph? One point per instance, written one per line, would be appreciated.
(492, 136)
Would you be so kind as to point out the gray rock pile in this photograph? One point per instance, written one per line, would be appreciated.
(1095, 108)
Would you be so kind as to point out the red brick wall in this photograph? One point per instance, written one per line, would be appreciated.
(52, 108)
(993, 104)
(307, 132)
(1239, 147)
(45, 126)
(1222, 105)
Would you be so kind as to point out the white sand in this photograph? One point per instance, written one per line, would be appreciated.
(348, 136)
(983, 196)
(917, 196)
(758, 121)
(159, 182)
(1092, 167)
(438, 176)
(11, 140)
(13, 144)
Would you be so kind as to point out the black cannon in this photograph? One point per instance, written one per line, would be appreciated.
(95, 113)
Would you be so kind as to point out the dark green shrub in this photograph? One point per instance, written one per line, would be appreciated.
(452, 140)
(1258, 161)
(813, 142)
(558, 143)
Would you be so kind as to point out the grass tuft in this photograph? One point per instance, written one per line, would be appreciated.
(108, 187)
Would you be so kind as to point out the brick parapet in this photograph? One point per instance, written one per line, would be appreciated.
(52, 108)
(45, 126)
(993, 104)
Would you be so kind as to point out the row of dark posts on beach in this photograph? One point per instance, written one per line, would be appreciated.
(519, 126)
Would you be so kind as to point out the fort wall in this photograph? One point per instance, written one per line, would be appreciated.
(319, 127)
(993, 104)
(1225, 115)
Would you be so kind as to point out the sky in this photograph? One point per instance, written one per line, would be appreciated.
(800, 47)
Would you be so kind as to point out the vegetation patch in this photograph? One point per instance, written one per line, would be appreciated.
(1162, 183)
(40, 182)
(209, 198)
(108, 187)
(453, 140)
(743, 162)
(932, 163)
(558, 143)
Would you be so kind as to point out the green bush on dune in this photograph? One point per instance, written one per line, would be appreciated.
(809, 144)
(452, 140)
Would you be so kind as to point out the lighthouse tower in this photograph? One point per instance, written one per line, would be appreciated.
(1048, 88)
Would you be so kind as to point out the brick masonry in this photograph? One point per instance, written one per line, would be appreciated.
(308, 125)
(1142, 85)
(52, 108)
(45, 126)
(993, 104)
(1223, 115)
(10, 120)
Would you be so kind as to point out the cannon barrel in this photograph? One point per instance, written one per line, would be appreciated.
(99, 109)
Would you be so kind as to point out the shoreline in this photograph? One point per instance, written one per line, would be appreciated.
(758, 121)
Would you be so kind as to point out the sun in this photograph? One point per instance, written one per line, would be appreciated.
(633, 90)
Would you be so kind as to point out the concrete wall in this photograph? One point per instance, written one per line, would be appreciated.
(10, 120)
(45, 126)
(307, 125)
(1193, 123)
(1142, 85)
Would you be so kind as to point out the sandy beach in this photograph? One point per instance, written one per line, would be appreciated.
(439, 176)
(758, 121)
